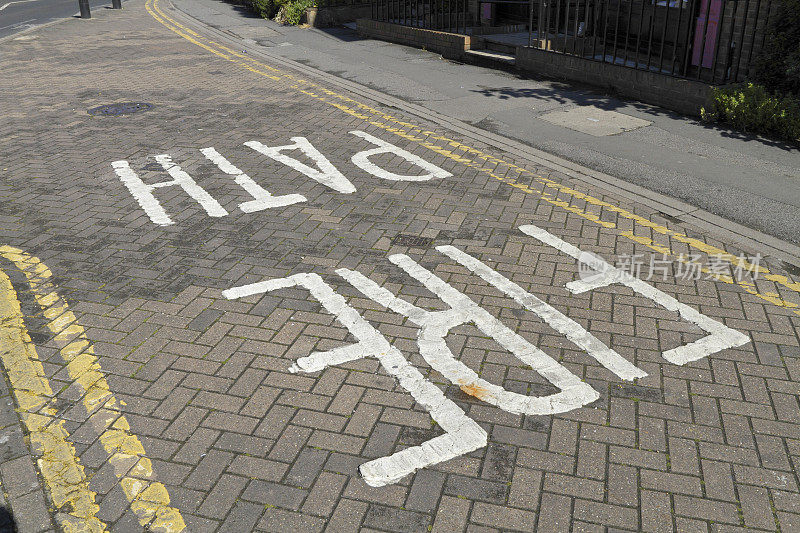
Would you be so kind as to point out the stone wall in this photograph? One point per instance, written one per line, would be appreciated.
(450, 45)
(328, 16)
(682, 95)
(741, 36)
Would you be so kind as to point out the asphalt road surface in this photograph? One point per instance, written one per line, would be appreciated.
(19, 15)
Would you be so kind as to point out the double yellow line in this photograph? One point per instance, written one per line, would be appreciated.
(506, 172)
(61, 470)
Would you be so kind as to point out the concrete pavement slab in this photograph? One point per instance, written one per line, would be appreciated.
(595, 121)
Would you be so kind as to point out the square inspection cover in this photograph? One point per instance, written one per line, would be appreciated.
(595, 121)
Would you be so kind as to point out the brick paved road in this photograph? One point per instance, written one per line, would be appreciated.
(193, 419)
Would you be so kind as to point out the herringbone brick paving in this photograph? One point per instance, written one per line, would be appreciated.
(242, 444)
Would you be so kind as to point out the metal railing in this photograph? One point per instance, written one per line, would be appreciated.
(444, 15)
(710, 40)
(340, 3)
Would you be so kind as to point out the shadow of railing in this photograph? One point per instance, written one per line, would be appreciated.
(566, 93)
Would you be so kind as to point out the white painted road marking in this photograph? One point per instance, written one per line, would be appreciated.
(462, 434)
(262, 198)
(435, 325)
(326, 174)
(144, 192)
(17, 2)
(361, 160)
(550, 315)
(721, 336)
(24, 23)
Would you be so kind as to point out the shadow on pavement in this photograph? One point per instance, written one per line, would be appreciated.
(7, 523)
(242, 9)
(565, 93)
(342, 34)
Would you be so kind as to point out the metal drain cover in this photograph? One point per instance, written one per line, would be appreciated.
(115, 110)
(412, 241)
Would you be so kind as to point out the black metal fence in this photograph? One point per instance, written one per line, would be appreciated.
(340, 3)
(711, 40)
(444, 15)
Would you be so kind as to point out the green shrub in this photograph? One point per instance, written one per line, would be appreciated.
(295, 10)
(754, 109)
(778, 64)
(267, 8)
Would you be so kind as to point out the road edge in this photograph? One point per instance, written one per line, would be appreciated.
(34, 28)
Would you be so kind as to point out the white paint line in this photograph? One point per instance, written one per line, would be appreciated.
(181, 178)
(262, 199)
(462, 434)
(144, 192)
(550, 315)
(361, 160)
(720, 336)
(326, 174)
(19, 24)
(435, 325)
(17, 2)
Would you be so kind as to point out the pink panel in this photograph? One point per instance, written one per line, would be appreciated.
(710, 9)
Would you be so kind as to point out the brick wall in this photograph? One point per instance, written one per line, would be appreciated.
(742, 31)
(450, 45)
(329, 16)
(684, 96)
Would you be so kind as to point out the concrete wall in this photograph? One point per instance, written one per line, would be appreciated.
(450, 45)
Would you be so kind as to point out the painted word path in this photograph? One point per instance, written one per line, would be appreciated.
(325, 173)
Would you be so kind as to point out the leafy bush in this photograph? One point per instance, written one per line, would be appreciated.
(284, 11)
(778, 64)
(267, 8)
(754, 109)
(295, 10)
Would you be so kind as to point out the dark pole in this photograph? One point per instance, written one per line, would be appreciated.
(85, 12)
(116, 4)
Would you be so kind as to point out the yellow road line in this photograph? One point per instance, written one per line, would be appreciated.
(149, 499)
(457, 152)
(60, 469)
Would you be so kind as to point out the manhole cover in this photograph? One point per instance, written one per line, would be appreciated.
(412, 241)
(113, 110)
